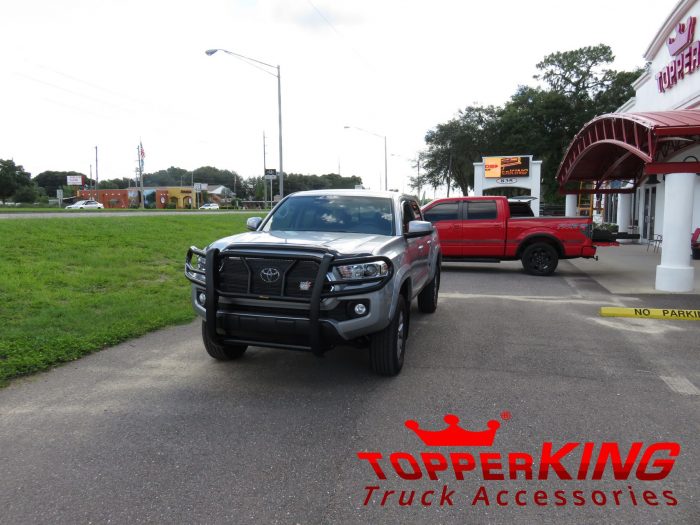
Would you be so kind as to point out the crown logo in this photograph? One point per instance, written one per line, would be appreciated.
(454, 435)
(684, 36)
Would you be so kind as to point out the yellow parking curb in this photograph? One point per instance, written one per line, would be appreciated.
(651, 313)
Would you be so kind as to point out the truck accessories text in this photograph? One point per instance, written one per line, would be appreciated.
(568, 462)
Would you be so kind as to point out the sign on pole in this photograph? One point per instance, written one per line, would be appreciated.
(497, 167)
(74, 180)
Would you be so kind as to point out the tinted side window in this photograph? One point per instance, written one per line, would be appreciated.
(407, 215)
(481, 210)
(448, 211)
(416, 211)
(520, 209)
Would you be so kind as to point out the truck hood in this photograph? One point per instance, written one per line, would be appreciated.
(344, 243)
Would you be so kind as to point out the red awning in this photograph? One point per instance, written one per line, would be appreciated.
(629, 146)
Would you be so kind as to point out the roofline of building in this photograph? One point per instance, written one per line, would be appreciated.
(667, 28)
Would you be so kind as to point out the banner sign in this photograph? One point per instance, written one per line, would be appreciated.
(74, 180)
(497, 167)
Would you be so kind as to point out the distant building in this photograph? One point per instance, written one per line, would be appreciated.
(159, 198)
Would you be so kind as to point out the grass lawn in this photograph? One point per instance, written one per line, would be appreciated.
(68, 288)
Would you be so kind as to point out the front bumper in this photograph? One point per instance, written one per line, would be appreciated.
(314, 322)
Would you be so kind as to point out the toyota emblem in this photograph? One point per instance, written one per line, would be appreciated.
(270, 275)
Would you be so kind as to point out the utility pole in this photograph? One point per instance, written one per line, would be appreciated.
(97, 176)
(279, 114)
(265, 172)
(140, 164)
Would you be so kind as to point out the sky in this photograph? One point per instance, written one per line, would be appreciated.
(80, 74)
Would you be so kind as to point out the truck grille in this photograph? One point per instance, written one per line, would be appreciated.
(269, 277)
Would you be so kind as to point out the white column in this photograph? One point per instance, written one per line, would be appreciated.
(478, 179)
(675, 273)
(571, 205)
(624, 207)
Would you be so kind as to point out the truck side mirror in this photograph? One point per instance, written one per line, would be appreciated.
(253, 223)
(418, 229)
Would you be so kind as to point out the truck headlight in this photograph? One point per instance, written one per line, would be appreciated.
(368, 270)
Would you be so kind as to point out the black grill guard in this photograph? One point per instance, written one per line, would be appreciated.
(209, 279)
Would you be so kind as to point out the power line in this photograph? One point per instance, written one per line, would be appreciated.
(359, 55)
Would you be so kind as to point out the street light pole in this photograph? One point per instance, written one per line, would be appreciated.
(386, 179)
(386, 171)
(210, 52)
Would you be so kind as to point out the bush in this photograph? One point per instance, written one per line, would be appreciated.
(606, 226)
(26, 194)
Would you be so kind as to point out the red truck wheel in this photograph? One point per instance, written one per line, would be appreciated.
(540, 258)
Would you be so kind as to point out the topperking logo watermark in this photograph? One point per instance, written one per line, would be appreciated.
(460, 463)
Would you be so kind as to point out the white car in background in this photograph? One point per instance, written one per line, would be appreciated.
(209, 206)
(85, 205)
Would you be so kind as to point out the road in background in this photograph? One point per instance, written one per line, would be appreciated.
(102, 213)
(154, 430)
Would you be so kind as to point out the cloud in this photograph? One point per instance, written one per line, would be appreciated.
(316, 15)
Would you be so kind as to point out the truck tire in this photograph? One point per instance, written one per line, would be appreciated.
(387, 347)
(428, 297)
(221, 352)
(540, 258)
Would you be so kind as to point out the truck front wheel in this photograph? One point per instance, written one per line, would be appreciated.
(540, 258)
(387, 347)
(221, 352)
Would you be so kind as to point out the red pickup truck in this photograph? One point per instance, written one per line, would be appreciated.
(483, 229)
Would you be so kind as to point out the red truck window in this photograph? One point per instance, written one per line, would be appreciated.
(448, 211)
(481, 210)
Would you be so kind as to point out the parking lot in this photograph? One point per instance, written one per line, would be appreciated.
(153, 430)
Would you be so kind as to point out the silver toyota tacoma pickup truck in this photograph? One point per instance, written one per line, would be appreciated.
(323, 268)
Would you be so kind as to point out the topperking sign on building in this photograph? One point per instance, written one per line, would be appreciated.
(685, 56)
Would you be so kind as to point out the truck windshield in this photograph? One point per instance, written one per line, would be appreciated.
(333, 213)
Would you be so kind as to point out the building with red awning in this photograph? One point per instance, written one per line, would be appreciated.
(647, 154)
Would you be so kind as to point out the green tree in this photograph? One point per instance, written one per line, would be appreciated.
(294, 182)
(112, 184)
(579, 73)
(12, 178)
(618, 91)
(54, 180)
(540, 122)
(26, 194)
(454, 146)
(537, 120)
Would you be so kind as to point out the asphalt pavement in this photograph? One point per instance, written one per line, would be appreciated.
(153, 430)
